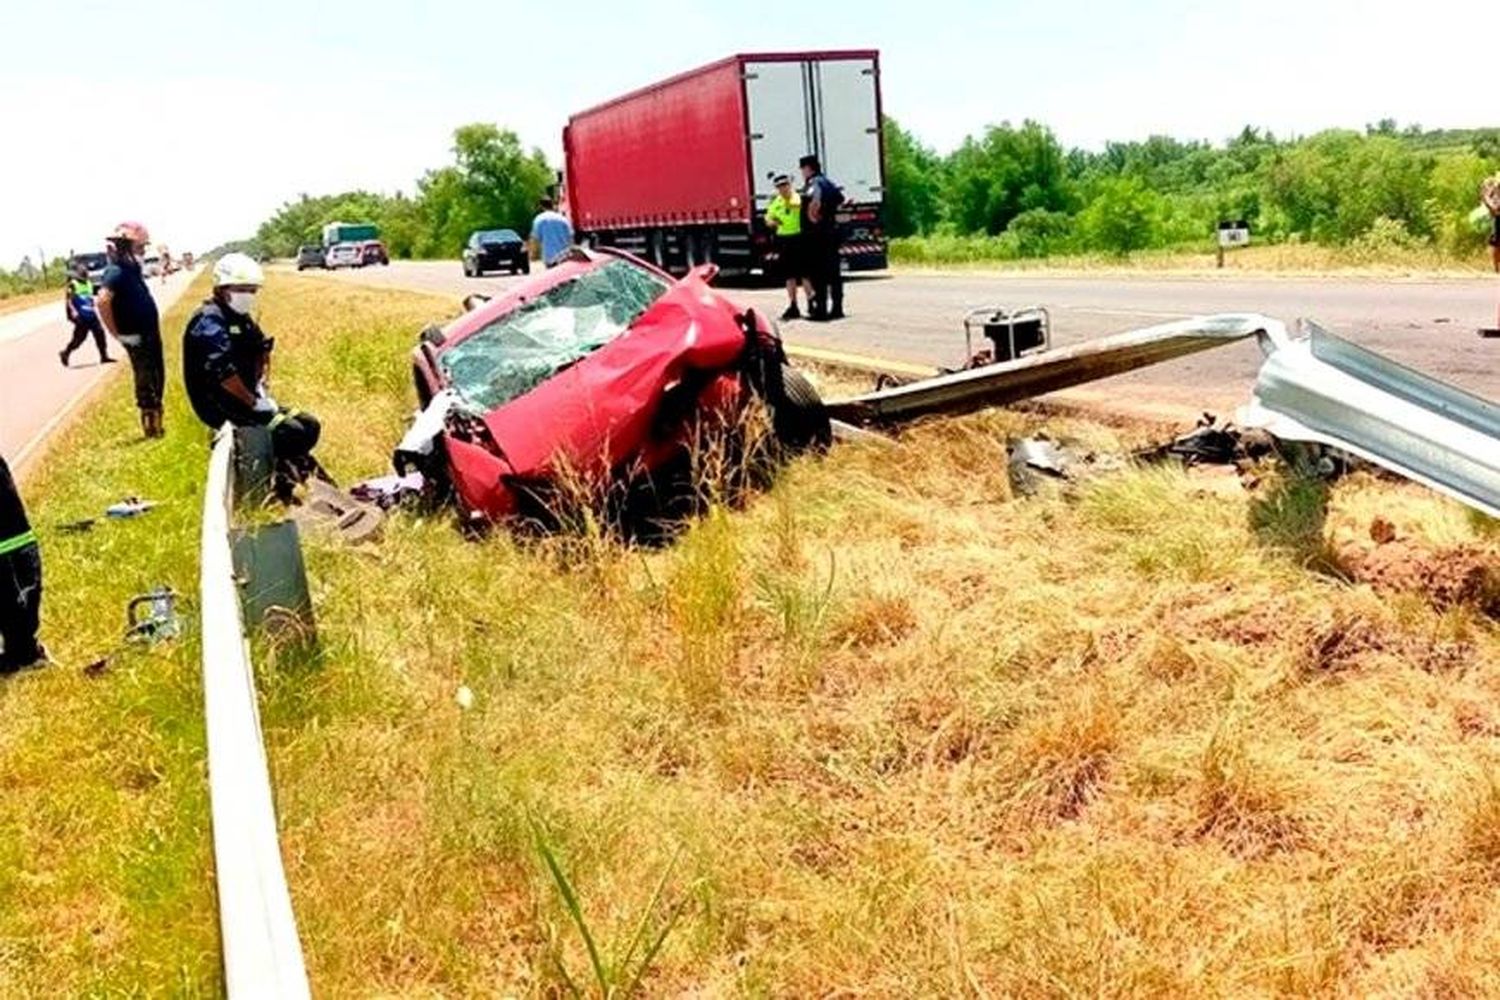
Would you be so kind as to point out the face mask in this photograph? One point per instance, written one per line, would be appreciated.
(241, 302)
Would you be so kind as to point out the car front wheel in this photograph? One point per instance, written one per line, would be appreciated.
(799, 418)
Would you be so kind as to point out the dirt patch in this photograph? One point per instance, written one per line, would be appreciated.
(1341, 640)
(1461, 574)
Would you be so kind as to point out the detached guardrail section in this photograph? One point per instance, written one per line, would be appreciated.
(262, 954)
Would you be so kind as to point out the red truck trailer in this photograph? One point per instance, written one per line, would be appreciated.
(680, 172)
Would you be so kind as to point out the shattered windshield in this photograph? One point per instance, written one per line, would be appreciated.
(521, 349)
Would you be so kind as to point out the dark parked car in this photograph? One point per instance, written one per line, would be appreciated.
(496, 250)
(310, 255)
(94, 262)
(542, 383)
(374, 252)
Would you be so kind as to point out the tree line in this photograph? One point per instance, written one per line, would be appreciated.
(492, 182)
(1023, 194)
(1019, 187)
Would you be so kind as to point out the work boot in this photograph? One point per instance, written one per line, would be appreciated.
(62, 356)
(838, 313)
(158, 423)
(37, 657)
(791, 312)
(105, 359)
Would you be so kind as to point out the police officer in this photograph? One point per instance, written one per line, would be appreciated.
(821, 199)
(225, 360)
(20, 582)
(78, 301)
(784, 219)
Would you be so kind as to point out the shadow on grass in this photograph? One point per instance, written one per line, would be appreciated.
(1290, 514)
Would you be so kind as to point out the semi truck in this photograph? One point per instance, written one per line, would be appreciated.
(681, 172)
(349, 232)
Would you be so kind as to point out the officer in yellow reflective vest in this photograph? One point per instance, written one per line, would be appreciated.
(78, 302)
(784, 219)
(20, 582)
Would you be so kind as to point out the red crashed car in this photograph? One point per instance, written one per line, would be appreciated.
(603, 367)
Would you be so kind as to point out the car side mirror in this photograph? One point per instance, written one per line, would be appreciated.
(474, 301)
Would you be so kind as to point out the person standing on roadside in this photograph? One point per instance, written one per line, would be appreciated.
(130, 315)
(784, 219)
(1489, 193)
(78, 302)
(820, 204)
(551, 233)
(20, 581)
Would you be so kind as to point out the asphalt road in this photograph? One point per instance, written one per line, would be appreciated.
(36, 391)
(916, 316)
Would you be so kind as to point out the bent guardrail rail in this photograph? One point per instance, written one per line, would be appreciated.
(1036, 374)
(262, 954)
(1324, 389)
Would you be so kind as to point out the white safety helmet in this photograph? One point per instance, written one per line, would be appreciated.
(238, 269)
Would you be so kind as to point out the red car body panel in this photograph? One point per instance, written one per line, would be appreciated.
(600, 414)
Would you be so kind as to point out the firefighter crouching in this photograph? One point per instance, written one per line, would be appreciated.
(20, 582)
(226, 365)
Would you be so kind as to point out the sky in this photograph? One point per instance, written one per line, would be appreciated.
(200, 118)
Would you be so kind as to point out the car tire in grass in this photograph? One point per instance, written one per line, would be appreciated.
(799, 418)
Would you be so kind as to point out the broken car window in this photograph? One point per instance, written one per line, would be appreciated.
(523, 348)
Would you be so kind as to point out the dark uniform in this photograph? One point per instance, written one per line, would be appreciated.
(20, 581)
(218, 344)
(85, 318)
(821, 246)
(139, 326)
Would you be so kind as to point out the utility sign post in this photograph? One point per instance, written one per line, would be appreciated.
(1232, 234)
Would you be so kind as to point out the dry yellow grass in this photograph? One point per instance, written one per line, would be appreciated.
(25, 300)
(887, 730)
(1261, 260)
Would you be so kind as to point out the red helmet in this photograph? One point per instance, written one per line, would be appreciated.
(130, 230)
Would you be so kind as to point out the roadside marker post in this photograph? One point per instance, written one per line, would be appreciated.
(1234, 233)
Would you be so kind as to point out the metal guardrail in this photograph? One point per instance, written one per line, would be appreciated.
(1047, 371)
(1325, 389)
(262, 954)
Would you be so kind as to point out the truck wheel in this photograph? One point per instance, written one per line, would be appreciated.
(799, 418)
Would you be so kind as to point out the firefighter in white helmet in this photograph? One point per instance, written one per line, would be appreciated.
(226, 367)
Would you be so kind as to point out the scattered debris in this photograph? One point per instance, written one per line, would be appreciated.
(1030, 456)
(130, 507)
(464, 697)
(325, 506)
(160, 620)
(1035, 460)
(390, 491)
(1211, 443)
